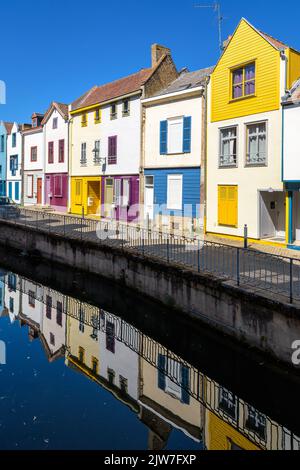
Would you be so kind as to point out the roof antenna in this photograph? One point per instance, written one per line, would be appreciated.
(217, 9)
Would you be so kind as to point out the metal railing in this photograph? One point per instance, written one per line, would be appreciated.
(245, 267)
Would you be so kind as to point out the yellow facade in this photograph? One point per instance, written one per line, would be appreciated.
(222, 436)
(86, 195)
(246, 46)
(293, 67)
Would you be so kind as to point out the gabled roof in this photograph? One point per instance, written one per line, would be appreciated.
(62, 108)
(8, 126)
(187, 80)
(109, 91)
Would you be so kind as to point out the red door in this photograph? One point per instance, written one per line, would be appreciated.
(39, 191)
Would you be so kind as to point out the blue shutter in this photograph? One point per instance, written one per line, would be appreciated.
(185, 397)
(10, 190)
(161, 372)
(17, 192)
(187, 122)
(163, 137)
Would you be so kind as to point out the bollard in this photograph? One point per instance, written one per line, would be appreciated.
(246, 236)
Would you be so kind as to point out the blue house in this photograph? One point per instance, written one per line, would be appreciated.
(174, 127)
(5, 129)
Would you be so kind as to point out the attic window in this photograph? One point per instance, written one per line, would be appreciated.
(243, 81)
(54, 123)
(34, 122)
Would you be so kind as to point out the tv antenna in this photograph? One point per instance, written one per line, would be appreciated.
(216, 6)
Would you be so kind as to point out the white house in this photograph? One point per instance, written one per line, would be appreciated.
(14, 164)
(34, 162)
(56, 131)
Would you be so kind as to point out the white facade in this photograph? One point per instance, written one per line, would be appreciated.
(56, 130)
(54, 319)
(14, 164)
(34, 168)
(119, 359)
(12, 295)
(128, 132)
(291, 119)
(169, 107)
(32, 302)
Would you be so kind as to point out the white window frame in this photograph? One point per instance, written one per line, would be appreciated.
(221, 148)
(172, 177)
(256, 123)
(174, 151)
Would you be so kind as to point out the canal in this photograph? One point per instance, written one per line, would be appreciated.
(85, 364)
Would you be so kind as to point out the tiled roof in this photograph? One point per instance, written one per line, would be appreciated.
(275, 42)
(186, 81)
(293, 95)
(62, 108)
(8, 126)
(109, 91)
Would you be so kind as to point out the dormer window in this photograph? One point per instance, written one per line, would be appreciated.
(34, 122)
(84, 120)
(14, 140)
(113, 111)
(126, 108)
(54, 123)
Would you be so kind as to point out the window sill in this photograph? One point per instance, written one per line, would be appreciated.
(227, 167)
(83, 125)
(125, 114)
(234, 100)
(228, 226)
(112, 118)
(97, 121)
(255, 165)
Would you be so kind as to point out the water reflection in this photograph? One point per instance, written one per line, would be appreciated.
(160, 388)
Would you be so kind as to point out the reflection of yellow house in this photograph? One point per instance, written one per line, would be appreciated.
(166, 398)
(82, 343)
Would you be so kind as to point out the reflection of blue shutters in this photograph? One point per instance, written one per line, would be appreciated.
(161, 372)
(163, 137)
(17, 191)
(185, 397)
(10, 190)
(187, 122)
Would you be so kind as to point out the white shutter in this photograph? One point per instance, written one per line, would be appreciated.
(175, 135)
(126, 192)
(174, 195)
(29, 185)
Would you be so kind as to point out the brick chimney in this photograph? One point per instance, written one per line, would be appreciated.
(157, 51)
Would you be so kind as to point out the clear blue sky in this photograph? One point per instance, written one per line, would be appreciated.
(55, 50)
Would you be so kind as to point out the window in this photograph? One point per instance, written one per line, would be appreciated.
(175, 135)
(48, 307)
(97, 152)
(84, 120)
(12, 282)
(228, 205)
(81, 354)
(256, 422)
(14, 140)
(113, 111)
(31, 298)
(83, 154)
(95, 324)
(34, 122)
(17, 190)
(126, 193)
(110, 337)
(11, 305)
(33, 154)
(243, 81)
(52, 339)
(227, 402)
(97, 116)
(30, 186)
(256, 144)
(13, 164)
(111, 376)
(58, 192)
(61, 151)
(126, 108)
(95, 363)
(2, 143)
(81, 319)
(59, 311)
(123, 384)
(174, 192)
(117, 191)
(173, 378)
(54, 123)
(228, 147)
(50, 152)
(112, 150)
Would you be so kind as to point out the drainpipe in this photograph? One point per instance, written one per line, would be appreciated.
(204, 162)
(22, 170)
(289, 195)
(70, 131)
